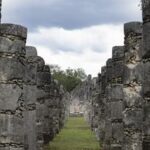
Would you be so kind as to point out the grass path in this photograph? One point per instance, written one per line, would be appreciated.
(76, 135)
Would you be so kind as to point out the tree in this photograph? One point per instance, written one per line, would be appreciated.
(69, 78)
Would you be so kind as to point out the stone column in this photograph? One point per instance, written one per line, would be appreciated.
(47, 99)
(107, 114)
(57, 99)
(116, 98)
(12, 71)
(52, 105)
(146, 82)
(54, 109)
(133, 74)
(106, 109)
(62, 107)
(95, 106)
(40, 103)
(101, 114)
(30, 89)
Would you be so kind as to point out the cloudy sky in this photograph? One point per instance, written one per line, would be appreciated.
(73, 33)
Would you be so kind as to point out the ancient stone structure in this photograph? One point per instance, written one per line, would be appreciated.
(12, 70)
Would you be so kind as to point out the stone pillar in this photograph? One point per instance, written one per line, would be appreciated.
(146, 82)
(12, 71)
(54, 110)
(51, 108)
(106, 109)
(95, 107)
(40, 103)
(30, 89)
(133, 74)
(47, 99)
(106, 101)
(101, 114)
(57, 99)
(116, 98)
(62, 107)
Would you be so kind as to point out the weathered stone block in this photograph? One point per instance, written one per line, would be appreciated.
(133, 42)
(109, 70)
(133, 118)
(116, 92)
(30, 96)
(146, 79)
(11, 129)
(132, 97)
(117, 71)
(11, 97)
(40, 64)
(43, 78)
(116, 110)
(108, 130)
(117, 132)
(133, 73)
(118, 52)
(132, 27)
(132, 141)
(31, 52)
(146, 10)
(31, 73)
(30, 129)
(108, 110)
(14, 30)
(146, 39)
(12, 71)
(104, 79)
(12, 46)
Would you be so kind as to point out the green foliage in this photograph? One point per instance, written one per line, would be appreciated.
(69, 78)
(75, 136)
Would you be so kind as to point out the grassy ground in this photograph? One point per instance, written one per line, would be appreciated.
(75, 136)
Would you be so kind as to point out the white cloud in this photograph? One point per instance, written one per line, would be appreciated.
(88, 48)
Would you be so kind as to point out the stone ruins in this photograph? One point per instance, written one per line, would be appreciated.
(116, 104)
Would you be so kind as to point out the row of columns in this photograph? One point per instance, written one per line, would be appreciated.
(33, 106)
(118, 109)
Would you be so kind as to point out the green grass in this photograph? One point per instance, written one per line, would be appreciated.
(76, 135)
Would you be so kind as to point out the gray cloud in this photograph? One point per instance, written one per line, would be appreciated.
(70, 14)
